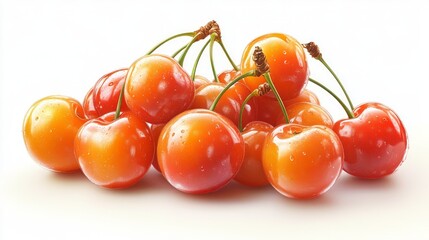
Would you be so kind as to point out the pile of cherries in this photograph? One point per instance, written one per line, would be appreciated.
(255, 123)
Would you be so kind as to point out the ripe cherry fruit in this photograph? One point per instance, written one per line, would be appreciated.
(103, 97)
(230, 102)
(287, 61)
(271, 110)
(302, 162)
(114, 153)
(252, 172)
(375, 141)
(49, 129)
(200, 151)
(157, 88)
(307, 114)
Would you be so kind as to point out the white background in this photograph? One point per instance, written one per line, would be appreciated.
(378, 48)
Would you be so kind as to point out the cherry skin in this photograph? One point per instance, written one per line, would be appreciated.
(375, 141)
(228, 75)
(206, 94)
(200, 151)
(157, 88)
(252, 172)
(307, 114)
(270, 108)
(156, 129)
(107, 90)
(103, 97)
(114, 153)
(287, 61)
(302, 162)
(89, 109)
(305, 96)
(49, 129)
(229, 104)
(200, 81)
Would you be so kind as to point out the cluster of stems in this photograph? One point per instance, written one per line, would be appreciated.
(212, 30)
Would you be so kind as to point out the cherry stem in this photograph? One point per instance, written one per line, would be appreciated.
(119, 105)
(197, 60)
(276, 94)
(179, 50)
(336, 78)
(188, 46)
(243, 105)
(212, 40)
(229, 85)
(227, 55)
(189, 34)
(349, 113)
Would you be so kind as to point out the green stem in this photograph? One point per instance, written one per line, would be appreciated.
(279, 99)
(179, 50)
(338, 80)
(182, 57)
(227, 55)
(349, 113)
(194, 69)
(190, 34)
(243, 105)
(119, 105)
(212, 40)
(229, 85)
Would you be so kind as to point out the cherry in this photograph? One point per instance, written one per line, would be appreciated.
(102, 98)
(375, 141)
(307, 114)
(155, 130)
(287, 60)
(228, 75)
(157, 88)
(49, 129)
(229, 104)
(302, 162)
(114, 152)
(252, 172)
(200, 81)
(89, 109)
(200, 151)
(271, 109)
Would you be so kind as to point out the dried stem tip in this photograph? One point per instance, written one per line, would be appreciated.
(215, 29)
(313, 50)
(260, 62)
(263, 89)
(209, 28)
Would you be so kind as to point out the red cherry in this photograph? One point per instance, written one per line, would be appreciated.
(107, 90)
(375, 141)
(200, 151)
